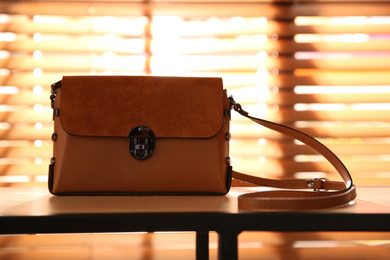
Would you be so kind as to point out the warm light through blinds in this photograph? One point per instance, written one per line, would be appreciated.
(320, 66)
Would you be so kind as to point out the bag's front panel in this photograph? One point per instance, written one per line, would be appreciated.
(96, 164)
(104, 164)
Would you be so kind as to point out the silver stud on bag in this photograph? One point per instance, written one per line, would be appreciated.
(228, 136)
(310, 183)
(228, 160)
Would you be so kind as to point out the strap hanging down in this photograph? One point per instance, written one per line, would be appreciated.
(343, 192)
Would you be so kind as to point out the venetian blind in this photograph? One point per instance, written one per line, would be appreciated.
(319, 66)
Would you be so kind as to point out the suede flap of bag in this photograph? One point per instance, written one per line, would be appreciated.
(178, 107)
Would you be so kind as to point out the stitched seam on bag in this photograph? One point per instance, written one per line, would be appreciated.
(218, 127)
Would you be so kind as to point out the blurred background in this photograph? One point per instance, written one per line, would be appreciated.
(320, 66)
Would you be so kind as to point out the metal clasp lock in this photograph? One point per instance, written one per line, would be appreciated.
(142, 142)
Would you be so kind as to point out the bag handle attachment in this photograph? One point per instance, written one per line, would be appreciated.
(325, 194)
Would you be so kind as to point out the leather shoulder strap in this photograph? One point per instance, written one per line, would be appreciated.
(326, 193)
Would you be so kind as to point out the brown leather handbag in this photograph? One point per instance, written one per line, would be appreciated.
(149, 135)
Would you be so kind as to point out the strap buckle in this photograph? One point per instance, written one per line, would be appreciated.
(311, 183)
(322, 189)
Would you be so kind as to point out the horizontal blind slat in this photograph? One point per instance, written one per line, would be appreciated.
(195, 9)
(26, 79)
(288, 168)
(350, 62)
(251, 95)
(247, 130)
(290, 46)
(340, 29)
(27, 116)
(72, 26)
(72, 62)
(26, 97)
(75, 44)
(192, 46)
(218, 62)
(285, 115)
(275, 149)
(26, 132)
(25, 169)
(28, 151)
(335, 78)
(83, 25)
